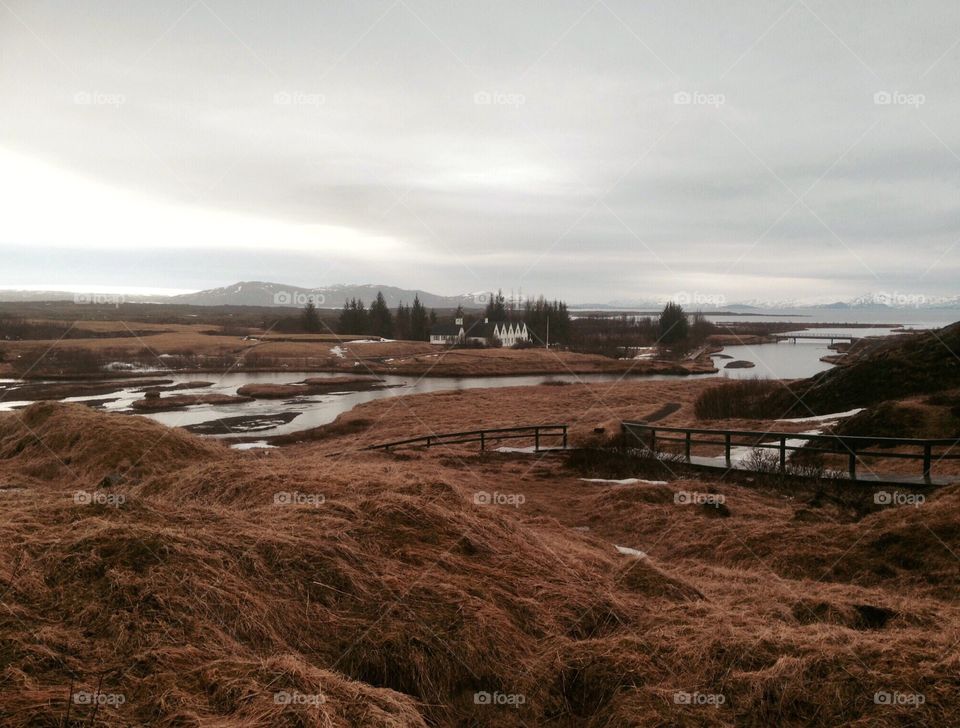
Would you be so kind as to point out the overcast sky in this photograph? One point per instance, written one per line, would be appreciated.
(592, 150)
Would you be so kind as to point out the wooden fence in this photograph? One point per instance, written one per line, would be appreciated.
(485, 437)
(640, 434)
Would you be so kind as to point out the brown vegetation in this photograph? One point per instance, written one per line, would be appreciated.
(398, 597)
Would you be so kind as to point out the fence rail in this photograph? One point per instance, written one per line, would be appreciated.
(484, 437)
(854, 447)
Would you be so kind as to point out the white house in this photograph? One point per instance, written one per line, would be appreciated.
(508, 334)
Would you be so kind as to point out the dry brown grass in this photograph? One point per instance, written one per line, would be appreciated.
(397, 598)
(204, 349)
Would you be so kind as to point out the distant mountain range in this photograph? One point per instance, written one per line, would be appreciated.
(263, 293)
(260, 293)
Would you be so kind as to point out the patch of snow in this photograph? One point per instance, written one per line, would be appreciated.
(624, 481)
(745, 453)
(631, 552)
(122, 366)
(253, 445)
(526, 449)
(372, 341)
(337, 351)
(824, 418)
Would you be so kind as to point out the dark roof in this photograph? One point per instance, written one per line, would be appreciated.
(479, 329)
(445, 330)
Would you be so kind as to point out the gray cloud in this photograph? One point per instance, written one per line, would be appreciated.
(514, 144)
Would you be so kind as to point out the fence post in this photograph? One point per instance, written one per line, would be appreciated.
(428, 440)
(536, 439)
(853, 460)
(564, 437)
(687, 446)
(783, 454)
(483, 443)
(653, 440)
(927, 457)
(726, 448)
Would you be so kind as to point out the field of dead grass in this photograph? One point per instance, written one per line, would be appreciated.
(203, 348)
(188, 584)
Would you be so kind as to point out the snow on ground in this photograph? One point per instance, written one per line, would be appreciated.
(337, 351)
(624, 481)
(125, 366)
(371, 341)
(526, 449)
(631, 552)
(825, 418)
(744, 453)
(252, 445)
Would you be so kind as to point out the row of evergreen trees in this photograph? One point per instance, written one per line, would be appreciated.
(409, 322)
(546, 320)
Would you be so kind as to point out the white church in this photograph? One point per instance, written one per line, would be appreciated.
(505, 332)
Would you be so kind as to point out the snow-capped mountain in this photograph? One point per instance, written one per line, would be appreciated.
(264, 293)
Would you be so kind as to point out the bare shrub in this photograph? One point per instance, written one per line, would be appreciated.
(742, 398)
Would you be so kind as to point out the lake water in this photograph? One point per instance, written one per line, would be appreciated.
(786, 359)
(313, 410)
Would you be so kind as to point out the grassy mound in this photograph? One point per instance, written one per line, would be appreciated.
(49, 441)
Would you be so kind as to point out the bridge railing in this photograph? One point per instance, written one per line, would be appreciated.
(853, 447)
(537, 433)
